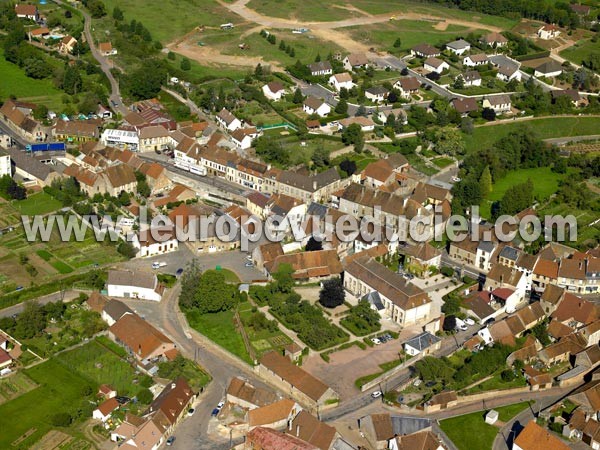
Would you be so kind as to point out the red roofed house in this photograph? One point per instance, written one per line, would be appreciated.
(105, 409)
(67, 44)
(140, 338)
(262, 438)
(27, 12)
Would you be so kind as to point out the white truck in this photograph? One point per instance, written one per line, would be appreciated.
(158, 265)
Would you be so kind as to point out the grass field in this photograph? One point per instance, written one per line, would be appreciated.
(59, 390)
(580, 51)
(37, 204)
(545, 183)
(314, 10)
(15, 82)
(470, 432)
(14, 386)
(230, 276)
(410, 32)
(220, 328)
(168, 19)
(99, 365)
(545, 128)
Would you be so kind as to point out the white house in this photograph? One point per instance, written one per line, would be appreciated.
(5, 167)
(434, 64)
(548, 69)
(105, 409)
(422, 343)
(499, 103)
(366, 124)
(228, 121)
(475, 60)
(376, 94)
(355, 61)
(549, 31)
(341, 80)
(471, 78)
(313, 105)
(508, 73)
(130, 284)
(320, 68)
(407, 86)
(273, 90)
(243, 137)
(458, 47)
(399, 114)
(147, 245)
(123, 139)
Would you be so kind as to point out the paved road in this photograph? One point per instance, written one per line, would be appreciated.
(65, 296)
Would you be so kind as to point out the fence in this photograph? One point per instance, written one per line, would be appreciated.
(285, 125)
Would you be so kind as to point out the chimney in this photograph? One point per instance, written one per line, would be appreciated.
(289, 425)
(315, 185)
(173, 385)
(297, 430)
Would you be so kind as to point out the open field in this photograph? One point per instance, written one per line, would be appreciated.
(15, 385)
(314, 10)
(59, 391)
(168, 19)
(580, 51)
(15, 82)
(37, 204)
(49, 258)
(470, 432)
(99, 365)
(551, 127)
(410, 32)
(220, 328)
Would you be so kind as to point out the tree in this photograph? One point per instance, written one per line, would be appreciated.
(313, 245)
(145, 396)
(488, 114)
(282, 45)
(397, 43)
(31, 322)
(185, 64)
(449, 141)
(37, 68)
(320, 157)
(348, 166)
(466, 125)
(171, 56)
(486, 181)
(40, 112)
(341, 107)
(459, 82)
(352, 135)
(284, 281)
(361, 111)
(318, 57)
(71, 80)
(117, 13)
(96, 8)
(332, 293)
(214, 294)
(126, 249)
(61, 419)
(124, 198)
(146, 82)
(190, 281)
(298, 97)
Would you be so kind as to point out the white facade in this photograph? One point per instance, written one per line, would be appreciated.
(115, 290)
(5, 168)
(156, 248)
(121, 138)
(231, 126)
(548, 32)
(323, 110)
(516, 75)
(497, 107)
(467, 61)
(439, 69)
(338, 85)
(548, 75)
(274, 96)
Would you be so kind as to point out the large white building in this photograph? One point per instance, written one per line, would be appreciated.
(123, 139)
(130, 284)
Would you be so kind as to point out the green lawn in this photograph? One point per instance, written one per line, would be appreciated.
(470, 432)
(545, 128)
(60, 390)
(99, 365)
(15, 82)
(168, 19)
(580, 51)
(497, 383)
(220, 328)
(545, 183)
(443, 162)
(37, 204)
(230, 276)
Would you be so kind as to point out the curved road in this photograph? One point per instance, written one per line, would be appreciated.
(105, 65)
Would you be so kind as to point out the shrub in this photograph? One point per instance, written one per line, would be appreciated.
(61, 419)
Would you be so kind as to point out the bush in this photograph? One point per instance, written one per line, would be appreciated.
(145, 396)
(447, 271)
(61, 419)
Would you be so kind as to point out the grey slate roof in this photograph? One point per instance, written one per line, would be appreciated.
(131, 278)
(458, 45)
(486, 246)
(510, 253)
(409, 425)
(30, 165)
(374, 299)
(422, 341)
(116, 309)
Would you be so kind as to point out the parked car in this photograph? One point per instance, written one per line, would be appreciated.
(375, 341)
(170, 440)
(191, 412)
(249, 257)
(179, 272)
(220, 404)
(157, 151)
(490, 320)
(215, 412)
(376, 394)
(249, 264)
(455, 179)
(469, 321)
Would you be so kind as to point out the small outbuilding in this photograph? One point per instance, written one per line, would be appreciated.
(491, 417)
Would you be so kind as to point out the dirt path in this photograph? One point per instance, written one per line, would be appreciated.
(207, 55)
